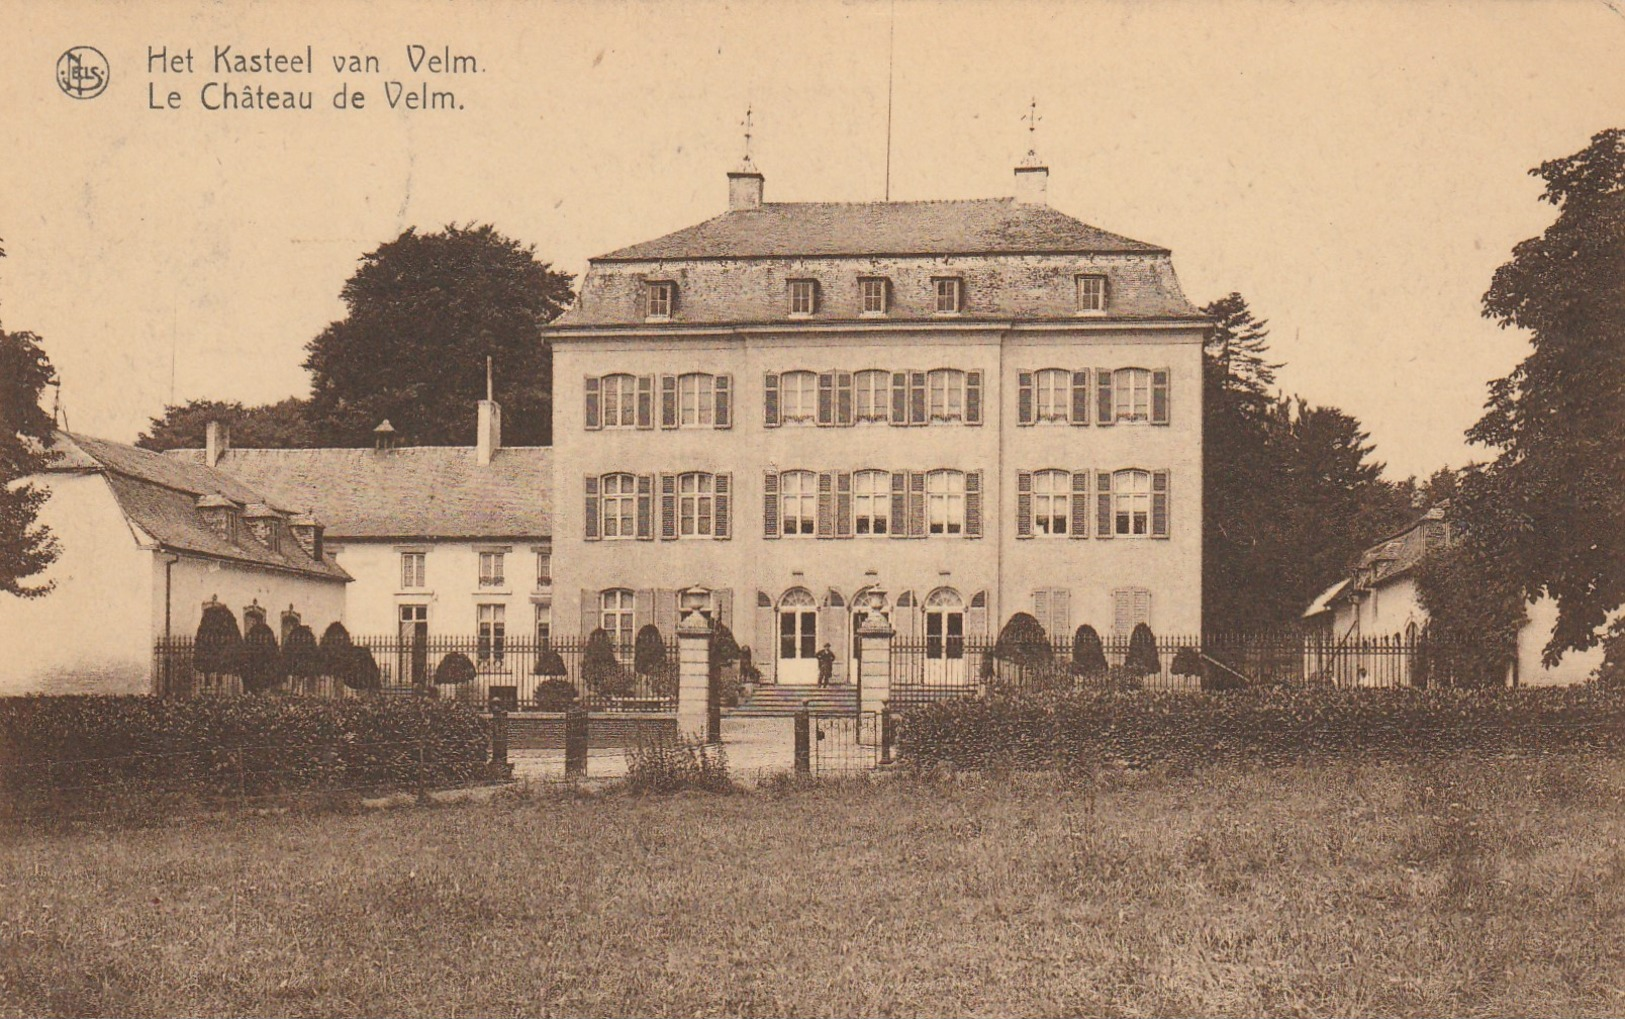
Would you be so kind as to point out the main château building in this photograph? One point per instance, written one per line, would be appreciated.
(972, 408)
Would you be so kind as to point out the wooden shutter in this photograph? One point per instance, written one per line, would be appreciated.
(1024, 504)
(646, 507)
(770, 400)
(590, 617)
(1060, 614)
(1159, 396)
(973, 504)
(1041, 609)
(1159, 504)
(666, 611)
(899, 398)
(916, 504)
(976, 617)
(843, 398)
(668, 507)
(1123, 611)
(1025, 414)
(916, 398)
(1103, 395)
(832, 628)
(1103, 504)
(590, 521)
(643, 608)
(770, 504)
(766, 650)
(591, 387)
(1080, 397)
(843, 504)
(899, 504)
(826, 398)
(668, 401)
(973, 398)
(1079, 523)
(722, 600)
(826, 504)
(722, 518)
(724, 410)
(646, 391)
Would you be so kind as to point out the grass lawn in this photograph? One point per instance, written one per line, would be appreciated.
(1431, 889)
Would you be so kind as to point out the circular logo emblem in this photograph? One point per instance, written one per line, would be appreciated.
(82, 72)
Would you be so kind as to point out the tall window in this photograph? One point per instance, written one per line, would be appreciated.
(798, 501)
(944, 625)
(872, 395)
(803, 297)
(871, 502)
(950, 291)
(1131, 503)
(413, 567)
(945, 502)
(873, 292)
(1054, 394)
(946, 387)
(696, 400)
(798, 396)
(661, 297)
(695, 501)
(491, 571)
(1131, 394)
(1052, 495)
(620, 399)
(619, 504)
(544, 569)
(615, 615)
(1091, 293)
(544, 625)
(493, 636)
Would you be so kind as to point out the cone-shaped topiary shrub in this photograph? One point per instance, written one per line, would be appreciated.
(1142, 652)
(301, 657)
(454, 670)
(1187, 662)
(218, 646)
(555, 695)
(549, 663)
(601, 670)
(335, 651)
(648, 651)
(362, 672)
(724, 649)
(262, 663)
(1088, 654)
(1023, 642)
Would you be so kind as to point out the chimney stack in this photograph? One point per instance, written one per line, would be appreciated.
(1032, 181)
(216, 441)
(745, 187)
(489, 438)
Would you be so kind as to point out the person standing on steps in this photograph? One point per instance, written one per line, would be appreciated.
(826, 664)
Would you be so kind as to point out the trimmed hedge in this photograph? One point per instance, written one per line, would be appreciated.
(1086, 727)
(67, 754)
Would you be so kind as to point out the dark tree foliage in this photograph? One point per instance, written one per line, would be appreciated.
(27, 547)
(1142, 657)
(424, 312)
(262, 664)
(217, 646)
(280, 425)
(1187, 662)
(549, 663)
(648, 650)
(361, 671)
(1023, 641)
(723, 649)
(555, 694)
(301, 656)
(1558, 418)
(454, 670)
(600, 668)
(1088, 654)
(335, 647)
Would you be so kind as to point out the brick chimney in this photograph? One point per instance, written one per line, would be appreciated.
(216, 441)
(489, 436)
(745, 187)
(307, 531)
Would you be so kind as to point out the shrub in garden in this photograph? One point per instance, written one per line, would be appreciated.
(648, 650)
(1088, 654)
(1187, 662)
(262, 662)
(335, 649)
(1142, 651)
(601, 670)
(217, 648)
(362, 672)
(1022, 642)
(672, 764)
(555, 695)
(301, 656)
(549, 663)
(454, 670)
(723, 649)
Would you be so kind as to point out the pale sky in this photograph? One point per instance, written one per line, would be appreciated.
(1357, 170)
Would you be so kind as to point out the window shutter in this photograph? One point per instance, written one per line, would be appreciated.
(916, 398)
(916, 504)
(1060, 614)
(1041, 609)
(723, 600)
(668, 507)
(1159, 396)
(973, 398)
(826, 398)
(1080, 397)
(1103, 395)
(1159, 504)
(826, 504)
(724, 417)
(843, 398)
(643, 608)
(590, 613)
(666, 611)
(899, 398)
(1024, 504)
(1142, 606)
(668, 401)
(590, 522)
(1024, 398)
(594, 422)
(976, 616)
(1080, 504)
(1103, 504)
(843, 504)
(899, 504)
(770, 504)
(770, 400)
(1123, 611)
(722, 526)
(646, 507)
(973, 504)
(646, 391)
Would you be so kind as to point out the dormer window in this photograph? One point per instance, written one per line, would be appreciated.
(803, 297)
(874, 293)
(1091, 294)
(950, 294)
(661, 298)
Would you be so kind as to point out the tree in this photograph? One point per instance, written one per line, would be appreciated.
(424, 312)
(280, 425)
(27, 547)
(217, 646)
(601, 670)
(1142, 657)
(1556, 418)
(301, 657)
(454, 670)
(1088, 654)
(648, 650)
(335, 652)
(1023, 641)
(262, 664)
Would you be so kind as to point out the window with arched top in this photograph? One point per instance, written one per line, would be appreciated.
(945, 389)
(871, 395)
(798, 397)
(1131, 503)
(798, 502)
(1131, 394)
(618, 504)
(945, 502)
(696, 400)
(1053, 394)
(619, 396)
(944, 625)
(798, 626)
(1052, 501)
(871, 502)
(696, 499)
(615, 615)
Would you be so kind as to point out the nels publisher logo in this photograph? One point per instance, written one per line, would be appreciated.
(82, 72)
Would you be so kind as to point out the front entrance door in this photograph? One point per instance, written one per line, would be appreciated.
(798, 640)
(412, 657)
(944, 639)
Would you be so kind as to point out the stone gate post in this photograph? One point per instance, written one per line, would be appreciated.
(874, 662)
(693, 675)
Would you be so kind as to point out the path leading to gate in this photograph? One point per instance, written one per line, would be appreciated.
(757, 748)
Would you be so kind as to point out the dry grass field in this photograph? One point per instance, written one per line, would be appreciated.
(1451, 888)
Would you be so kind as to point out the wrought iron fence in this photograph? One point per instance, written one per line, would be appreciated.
(515, 674)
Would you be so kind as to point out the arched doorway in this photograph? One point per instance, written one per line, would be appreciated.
(944, 638)
(798, 638)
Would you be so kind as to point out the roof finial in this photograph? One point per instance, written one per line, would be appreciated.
(746, 124)
(1032, 118)
(488, 389)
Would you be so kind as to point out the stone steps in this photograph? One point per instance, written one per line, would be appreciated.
(783, 701)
